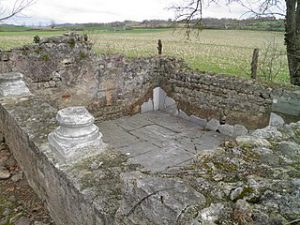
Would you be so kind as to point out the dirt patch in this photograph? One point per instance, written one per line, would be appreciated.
(19, 205)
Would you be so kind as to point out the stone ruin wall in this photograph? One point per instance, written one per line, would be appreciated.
(64, 72)
(235, 100)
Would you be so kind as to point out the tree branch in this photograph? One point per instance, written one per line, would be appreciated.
(17, 8)
(190, 11)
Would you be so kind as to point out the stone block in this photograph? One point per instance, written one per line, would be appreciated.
(213, 125)
(226, 129)
(170, 106)
(169, 102)
(183, 115)
(239, 130)
(158, 97)
(276, 120)
(147, 106)
(199, 121)
(287, 106)
(252, 141)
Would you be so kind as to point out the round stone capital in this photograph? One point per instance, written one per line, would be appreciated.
(74, 117)
(12, 84)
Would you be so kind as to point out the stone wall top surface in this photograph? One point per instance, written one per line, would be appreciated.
(11, 76)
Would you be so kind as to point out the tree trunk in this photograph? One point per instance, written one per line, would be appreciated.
(292, 39)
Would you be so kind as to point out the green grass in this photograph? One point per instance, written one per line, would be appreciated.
(217, 51)
(12, 28)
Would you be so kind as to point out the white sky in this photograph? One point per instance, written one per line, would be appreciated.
(84, 11)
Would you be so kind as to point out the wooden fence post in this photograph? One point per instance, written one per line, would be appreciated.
(254, 63)
(159, 47)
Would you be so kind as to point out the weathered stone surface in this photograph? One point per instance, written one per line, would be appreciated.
(253, 141)
(39, 223)
(77, 137)
(156, 200)
(263, 150)
(226, 129)
(3, 158)
(286, 103)
(4, 173)
(276, 120)
(112, 130)
(159, 95)
(23, 221)
(12, 84)
(235, 194)
(211, 214)
(213, 125)
(243, 212)
(183, 115)
(289, 149)
(199, 121)
(266, 133)
(163, 158)
(17, 177)
(239, 130)
(147, 106)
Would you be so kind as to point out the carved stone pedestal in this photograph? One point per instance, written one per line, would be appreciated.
(77, 137)
(12, 84)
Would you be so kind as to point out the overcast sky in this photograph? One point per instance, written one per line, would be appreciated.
(84, 11)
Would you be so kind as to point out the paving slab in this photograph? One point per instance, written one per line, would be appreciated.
(115, 135)
(163, 158)
(174, 123)
(137, 149)
(199, 140)
(154, 134)
(158, 141)
(135, 122)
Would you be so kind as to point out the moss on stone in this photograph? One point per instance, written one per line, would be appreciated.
(45, 58)
(101, 175)
(72, 42)
(82, 55)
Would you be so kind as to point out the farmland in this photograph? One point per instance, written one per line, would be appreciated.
(218, 51)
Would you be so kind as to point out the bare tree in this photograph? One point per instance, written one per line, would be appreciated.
(271, 63)
(190, 11)
(15, 8)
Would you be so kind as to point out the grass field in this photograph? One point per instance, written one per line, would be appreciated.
(218, 51)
